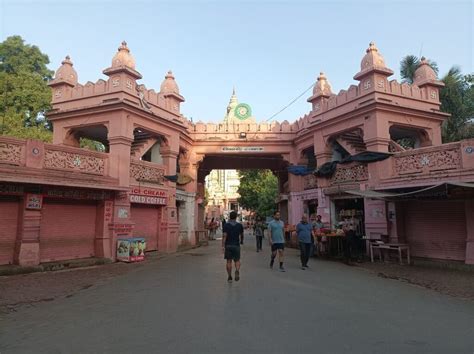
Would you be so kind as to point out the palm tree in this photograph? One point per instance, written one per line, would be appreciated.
(408, 66)
(455, 100)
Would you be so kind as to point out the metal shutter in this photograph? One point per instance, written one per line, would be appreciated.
(9, 208)
(436, 229)
(145, 218)
(67, 230)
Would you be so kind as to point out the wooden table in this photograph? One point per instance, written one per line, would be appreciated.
(400, 247)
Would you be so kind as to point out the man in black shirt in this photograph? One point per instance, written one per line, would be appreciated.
(232, 238)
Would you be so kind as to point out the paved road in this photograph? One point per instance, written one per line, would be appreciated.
(183, 304)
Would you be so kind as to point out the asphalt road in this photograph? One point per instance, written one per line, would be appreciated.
(183, 304)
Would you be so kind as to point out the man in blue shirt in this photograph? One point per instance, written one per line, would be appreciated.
(232, 238)
(304, 231)
(276, 229)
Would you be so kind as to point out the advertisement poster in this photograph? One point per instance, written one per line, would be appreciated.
(137, 249)
(123, 250)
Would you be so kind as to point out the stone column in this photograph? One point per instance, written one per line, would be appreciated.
(470, 231)
(119, 159)
(27, 248)
(168, 237)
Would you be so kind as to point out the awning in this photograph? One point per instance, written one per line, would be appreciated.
(419, 192)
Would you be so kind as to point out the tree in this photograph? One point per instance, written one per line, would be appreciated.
(408, 66)
(258, 190)
(24, 94)
(456, 97)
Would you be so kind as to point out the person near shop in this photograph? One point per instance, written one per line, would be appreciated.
(212, 229)
(232, 238)
(259, 227)
(276, 239)
(304, 232)
(317, 226)
(350, 242)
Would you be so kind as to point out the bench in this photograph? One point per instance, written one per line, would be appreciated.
(400, 247)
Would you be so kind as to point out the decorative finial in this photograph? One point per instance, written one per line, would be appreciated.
(233, 90)
(124, 43)
(68, 57)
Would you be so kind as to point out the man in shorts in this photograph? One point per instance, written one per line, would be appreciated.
(276, 228)
(232, 238)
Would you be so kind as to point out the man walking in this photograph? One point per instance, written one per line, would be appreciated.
(232, 238)
(304, 232)
(259, 234)
(277, 239)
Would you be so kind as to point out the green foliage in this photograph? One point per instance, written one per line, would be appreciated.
(456, 97)
(91, 144)
(24, 93)
(258, 191)
(408, 66)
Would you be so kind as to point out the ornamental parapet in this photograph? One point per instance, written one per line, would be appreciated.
(147, 172)
(74, 159)
(447, 162)
(310, 182)
(350, 173)
(12, 151)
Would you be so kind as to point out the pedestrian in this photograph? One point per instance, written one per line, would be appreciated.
(320, 240)
(277, 239)
(223, 223)
(304, 232)
(259, 234)
(232, 238)
(213, 228)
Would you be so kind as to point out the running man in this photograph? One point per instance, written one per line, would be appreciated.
(232, 238)
(276, 228)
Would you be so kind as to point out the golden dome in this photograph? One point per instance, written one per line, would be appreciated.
(123, 57)
(169, 84)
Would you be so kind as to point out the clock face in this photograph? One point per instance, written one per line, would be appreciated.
(242, 111)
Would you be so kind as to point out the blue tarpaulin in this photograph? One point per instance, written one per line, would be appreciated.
(300, 170)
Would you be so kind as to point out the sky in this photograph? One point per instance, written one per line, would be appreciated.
(271, 51)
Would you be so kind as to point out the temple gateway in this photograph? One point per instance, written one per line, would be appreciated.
(59, 201)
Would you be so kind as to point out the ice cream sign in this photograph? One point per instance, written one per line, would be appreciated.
(148, 196)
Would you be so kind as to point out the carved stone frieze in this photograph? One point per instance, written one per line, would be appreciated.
(10, 153)
(350, 174)
(431, 160)
(142, 172)
(55, 159)
(310, 181)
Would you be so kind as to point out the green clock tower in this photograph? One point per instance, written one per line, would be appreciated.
(238, 112)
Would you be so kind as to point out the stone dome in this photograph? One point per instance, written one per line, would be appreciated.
(169, 84)
(66, 72)
(372, 58)
(322, 86)
(123, 57)
(424, 73)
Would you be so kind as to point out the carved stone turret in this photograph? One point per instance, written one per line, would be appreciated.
(170, 91)
(427, 80)
(64, 79)
(373, 72)
(321, 92)
(122, 73)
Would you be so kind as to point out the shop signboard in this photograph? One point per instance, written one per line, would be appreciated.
(34, 201)
(148, 196)
(11, 189)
